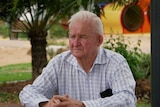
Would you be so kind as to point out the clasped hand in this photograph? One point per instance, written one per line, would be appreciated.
(62, 101)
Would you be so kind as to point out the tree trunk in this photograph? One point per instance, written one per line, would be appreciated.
(38, 50)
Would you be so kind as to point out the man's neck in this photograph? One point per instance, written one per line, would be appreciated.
(87, 63)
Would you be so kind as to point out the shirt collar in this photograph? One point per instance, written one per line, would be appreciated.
(100, 59)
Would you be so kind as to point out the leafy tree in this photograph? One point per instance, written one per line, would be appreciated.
(5, 13)
(42, 13)
(5, 7)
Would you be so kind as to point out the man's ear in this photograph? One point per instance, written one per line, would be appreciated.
(100, 40)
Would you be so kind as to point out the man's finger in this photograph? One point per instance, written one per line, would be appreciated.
(57, 101)
(61, 98)
(67, 96)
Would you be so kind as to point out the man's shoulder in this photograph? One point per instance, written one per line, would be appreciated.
(64, 55)
(64, 58)
(113, 55)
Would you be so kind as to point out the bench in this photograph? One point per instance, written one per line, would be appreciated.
(16, 28)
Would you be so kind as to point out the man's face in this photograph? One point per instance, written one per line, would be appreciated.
(82, 41)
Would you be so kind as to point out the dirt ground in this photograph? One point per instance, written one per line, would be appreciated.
(9, 105)
(16, 51)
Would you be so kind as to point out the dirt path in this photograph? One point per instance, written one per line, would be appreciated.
(14, 51)
(9, 105)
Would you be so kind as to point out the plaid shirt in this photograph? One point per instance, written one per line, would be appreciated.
(64, 75)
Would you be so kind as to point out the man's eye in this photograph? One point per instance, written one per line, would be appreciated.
(71, 36)
(82, 36)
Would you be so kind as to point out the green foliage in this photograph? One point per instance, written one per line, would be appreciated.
(58, 31)
(15, 72)
(144, 68)
(7, 97)
(138, 61)
(22, 35)
(4, 29)
(143, 105)
(5, 13)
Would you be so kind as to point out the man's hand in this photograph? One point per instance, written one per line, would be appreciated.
(62, 101)
(52, 103)
(68, 102)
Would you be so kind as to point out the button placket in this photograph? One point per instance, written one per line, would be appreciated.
(88, 86)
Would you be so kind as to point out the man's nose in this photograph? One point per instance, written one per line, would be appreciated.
(77, 41)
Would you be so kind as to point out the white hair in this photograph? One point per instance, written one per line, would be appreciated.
(96, 22)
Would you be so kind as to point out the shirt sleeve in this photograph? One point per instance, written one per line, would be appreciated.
(123, 88)
(42, 89)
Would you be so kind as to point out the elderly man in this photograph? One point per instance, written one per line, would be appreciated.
(85, 76)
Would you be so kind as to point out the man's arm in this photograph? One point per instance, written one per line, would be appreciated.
(42, 89)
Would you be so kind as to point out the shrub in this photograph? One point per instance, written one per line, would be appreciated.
(4, 29)
(144, 68)
(138, 61)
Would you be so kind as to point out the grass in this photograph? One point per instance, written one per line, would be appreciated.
(143, 105)
(15, 72)
(7, 97)
(11, 73)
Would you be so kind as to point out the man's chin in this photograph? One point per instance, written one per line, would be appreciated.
(77, 55)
